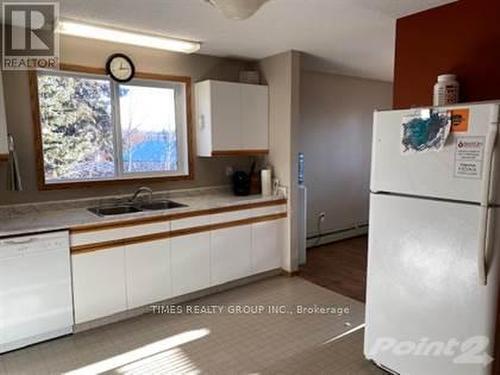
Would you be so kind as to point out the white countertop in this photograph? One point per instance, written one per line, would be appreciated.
(25, 219)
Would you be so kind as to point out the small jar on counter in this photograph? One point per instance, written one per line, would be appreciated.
(446, 90)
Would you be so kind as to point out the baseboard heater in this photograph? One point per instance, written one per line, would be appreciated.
(337, 235)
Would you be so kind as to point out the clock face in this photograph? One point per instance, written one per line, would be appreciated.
(120, 68)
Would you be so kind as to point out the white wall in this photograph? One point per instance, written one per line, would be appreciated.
(335, 136)
(282, 73)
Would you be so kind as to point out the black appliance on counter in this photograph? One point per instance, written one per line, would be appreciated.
(241, 183)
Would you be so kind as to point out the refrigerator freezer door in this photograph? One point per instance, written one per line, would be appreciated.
(438, 174)
(426, 313)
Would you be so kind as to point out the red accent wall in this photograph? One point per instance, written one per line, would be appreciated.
(461, 38)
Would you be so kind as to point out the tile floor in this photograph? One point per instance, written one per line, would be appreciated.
(280, 342)
(339, 266)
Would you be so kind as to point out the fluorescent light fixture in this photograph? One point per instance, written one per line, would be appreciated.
(85, 30)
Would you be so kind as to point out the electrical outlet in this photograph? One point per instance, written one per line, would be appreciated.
(322, 216)
(229, 171)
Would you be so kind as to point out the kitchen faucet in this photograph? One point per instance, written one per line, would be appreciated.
(143, 189)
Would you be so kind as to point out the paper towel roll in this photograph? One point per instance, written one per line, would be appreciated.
(265, 178)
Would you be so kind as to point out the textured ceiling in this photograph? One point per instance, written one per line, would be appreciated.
(353, 37)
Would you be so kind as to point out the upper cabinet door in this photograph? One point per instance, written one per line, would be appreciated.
(232, 118)
(226, 110)
(203, 118)
(254, 117)
(3, 121)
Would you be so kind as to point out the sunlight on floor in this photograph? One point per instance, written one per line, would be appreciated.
(220, 344)
(347, 333)
(173, 361)
(163, 352)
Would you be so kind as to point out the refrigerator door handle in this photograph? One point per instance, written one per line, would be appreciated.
(484, 238)
(481, 254)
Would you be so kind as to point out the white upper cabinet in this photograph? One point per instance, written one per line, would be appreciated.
(3, 121)
(231, 118)
(254, 117)
(225, 119)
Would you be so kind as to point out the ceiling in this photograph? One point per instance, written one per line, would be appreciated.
(352, 37)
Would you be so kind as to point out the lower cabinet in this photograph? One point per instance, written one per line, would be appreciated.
(231, 254)
(113, 280)
(99, 283)
(267, 245)
(190, 257)
(147, 272)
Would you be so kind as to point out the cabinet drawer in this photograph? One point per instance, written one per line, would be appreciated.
(118, 233)
(190, 222)
(229, 216)
(247, 214)
(264, 211)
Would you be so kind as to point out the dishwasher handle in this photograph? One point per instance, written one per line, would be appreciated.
(19, 242)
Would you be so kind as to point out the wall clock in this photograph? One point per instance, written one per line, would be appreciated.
(120, 67)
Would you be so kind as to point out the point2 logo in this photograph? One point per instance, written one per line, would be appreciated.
(29, 38)
(470, 351)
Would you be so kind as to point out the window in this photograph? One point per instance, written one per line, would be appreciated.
(92, 129)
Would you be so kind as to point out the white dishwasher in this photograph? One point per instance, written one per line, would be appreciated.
(35, 289)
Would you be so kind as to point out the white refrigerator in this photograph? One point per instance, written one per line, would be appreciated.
(434, 242)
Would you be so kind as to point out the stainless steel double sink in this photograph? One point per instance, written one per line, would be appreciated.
(122, 208)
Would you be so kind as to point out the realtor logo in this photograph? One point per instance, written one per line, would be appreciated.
(29, 37)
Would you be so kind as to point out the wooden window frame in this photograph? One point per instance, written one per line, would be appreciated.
(38, 142)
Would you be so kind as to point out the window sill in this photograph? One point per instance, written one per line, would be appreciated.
(42, 185)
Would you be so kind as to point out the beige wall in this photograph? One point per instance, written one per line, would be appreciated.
(208, 172)
(335, 136)
(282, 74)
